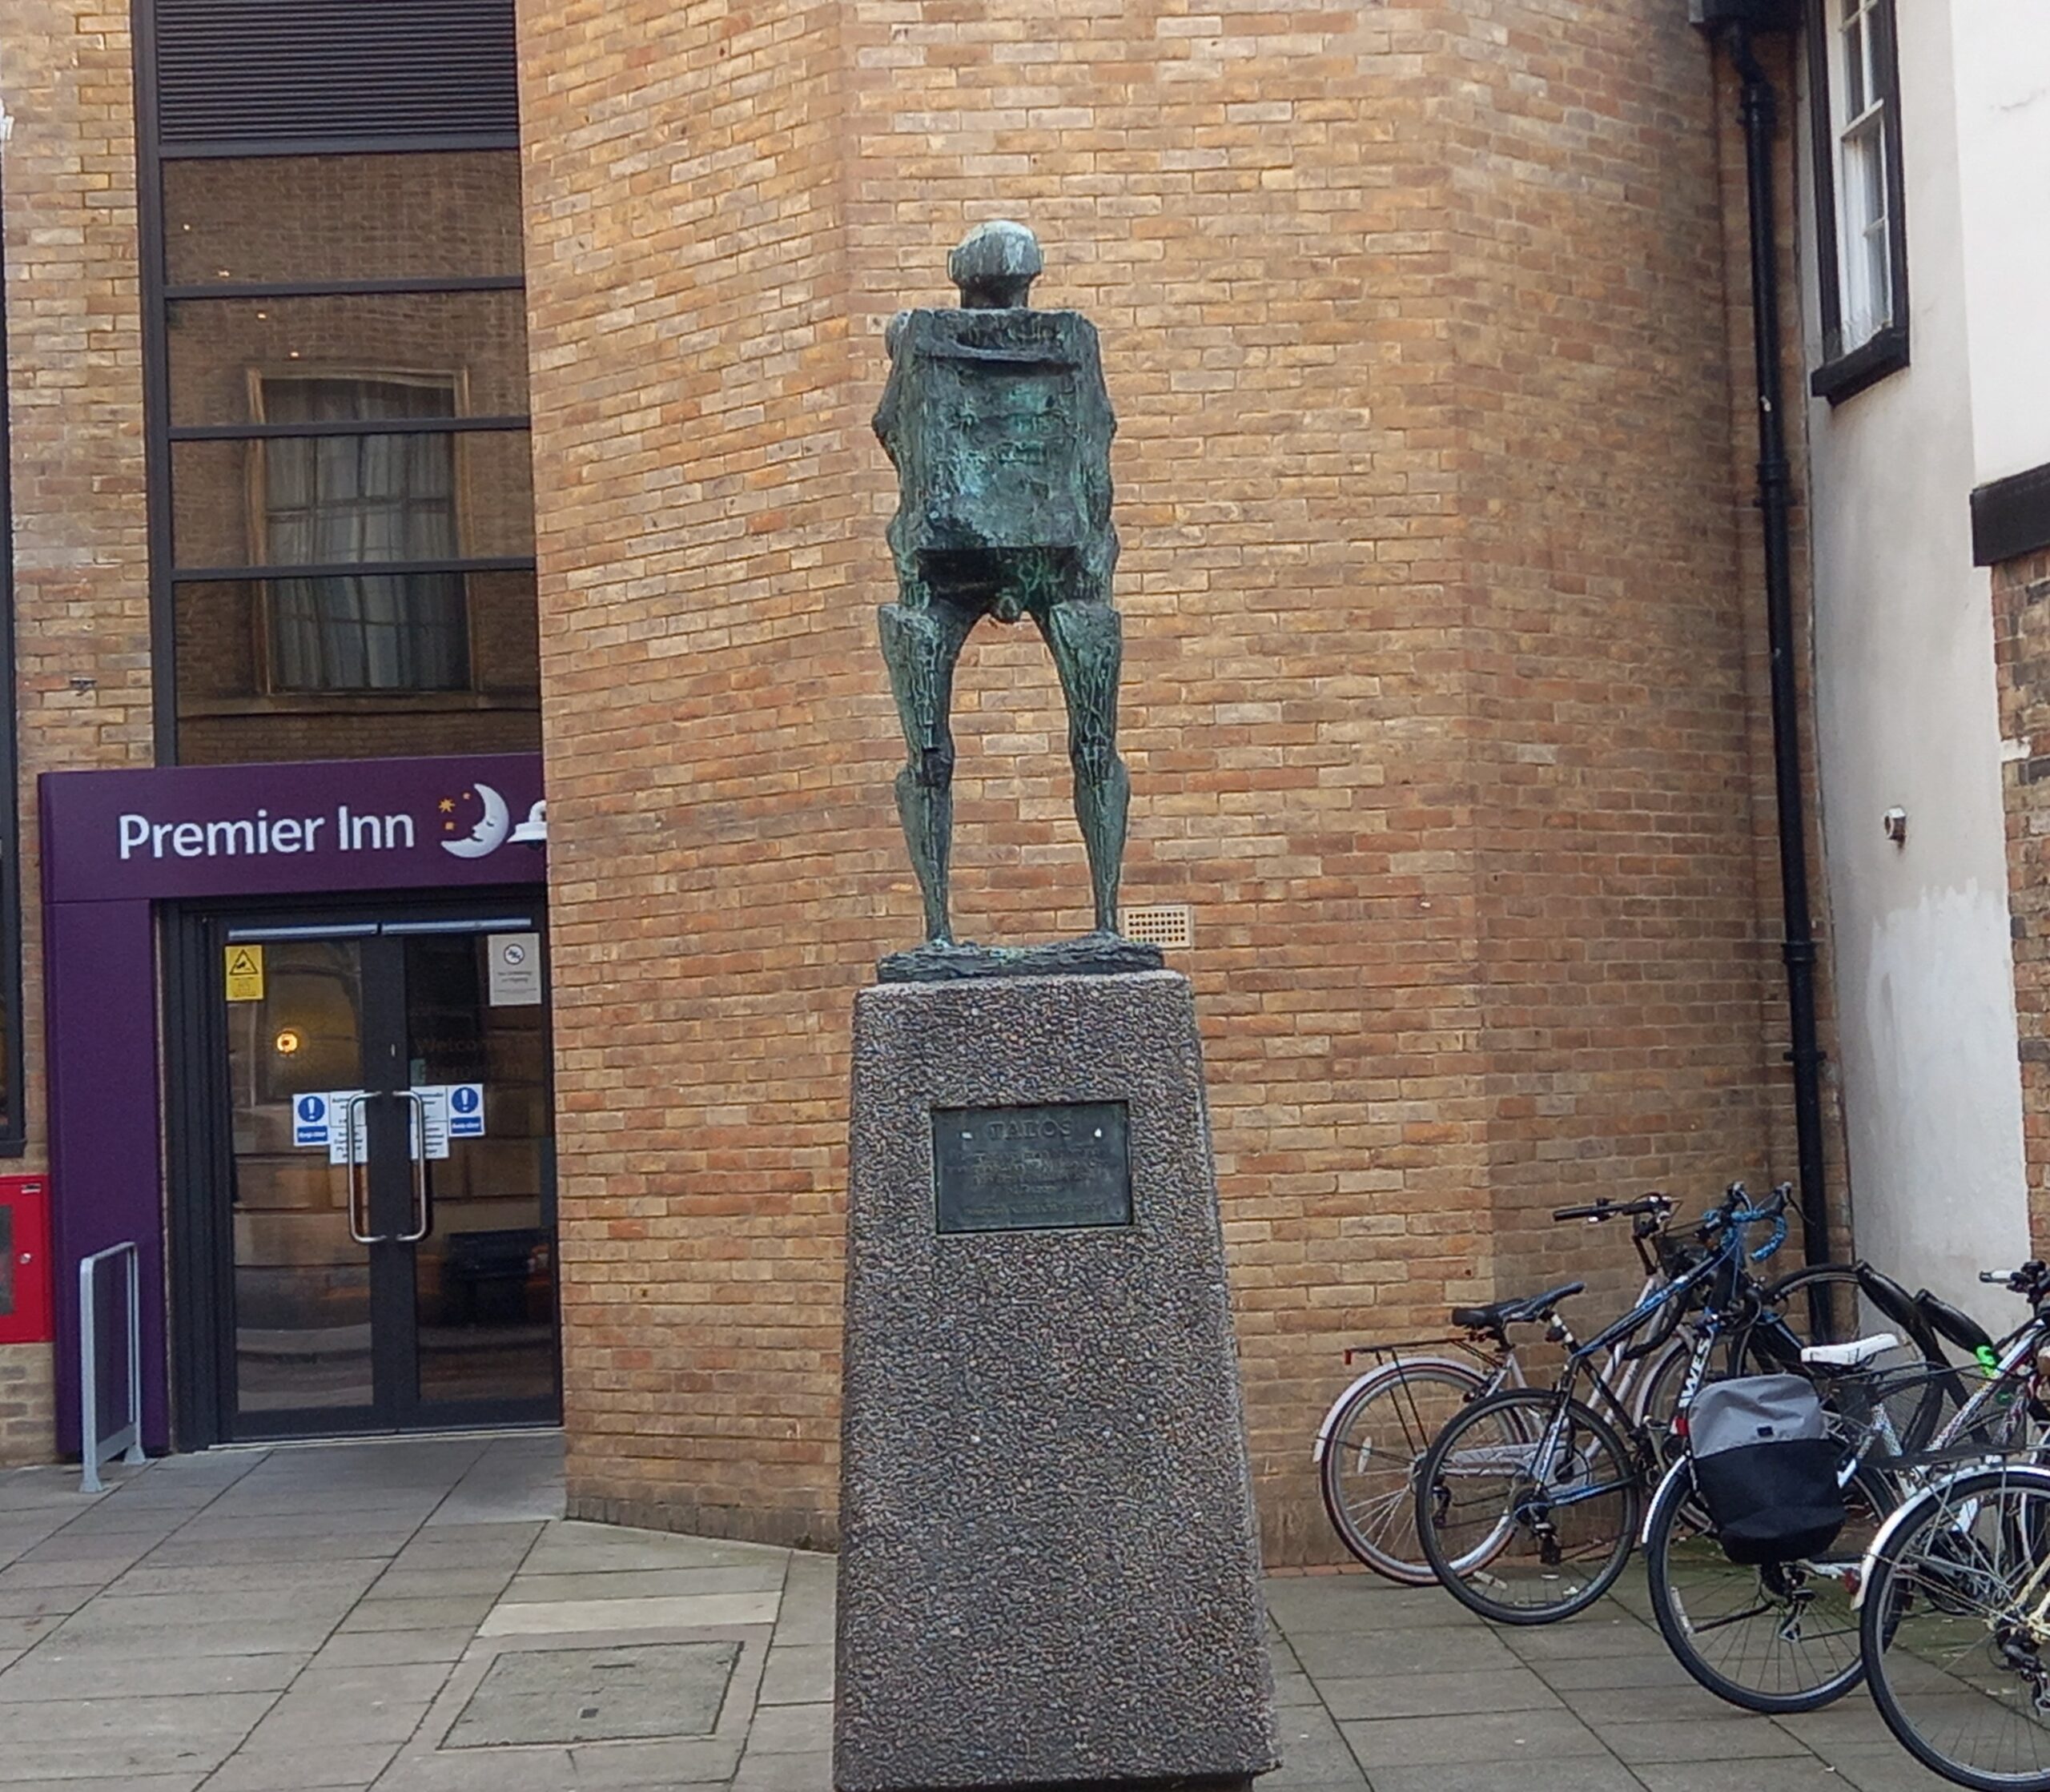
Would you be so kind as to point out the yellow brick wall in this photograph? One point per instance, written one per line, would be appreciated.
(1437, 696)
(74, 403)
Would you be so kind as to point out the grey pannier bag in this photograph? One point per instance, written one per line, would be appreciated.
(1765, 1466)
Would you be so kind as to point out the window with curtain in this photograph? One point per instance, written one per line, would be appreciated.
(334, 500)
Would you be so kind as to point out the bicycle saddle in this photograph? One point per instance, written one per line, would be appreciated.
(1855, 1355)
(1493, 1317)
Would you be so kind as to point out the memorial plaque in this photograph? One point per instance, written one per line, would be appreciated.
(1019, 1169)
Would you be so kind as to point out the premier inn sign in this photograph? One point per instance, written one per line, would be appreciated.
(259, 829)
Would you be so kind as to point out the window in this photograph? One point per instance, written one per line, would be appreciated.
(334, 328)
(330, 500)
(1856, 111)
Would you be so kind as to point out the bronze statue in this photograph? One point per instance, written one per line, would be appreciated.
(998, 421)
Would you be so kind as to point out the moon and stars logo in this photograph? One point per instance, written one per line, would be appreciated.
(487, 835)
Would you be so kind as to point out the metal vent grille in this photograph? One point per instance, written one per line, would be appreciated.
(233, 72)
(1167, 925)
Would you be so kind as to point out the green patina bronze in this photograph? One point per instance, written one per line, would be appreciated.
(998, 421)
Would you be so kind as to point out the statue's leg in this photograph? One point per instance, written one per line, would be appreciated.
(921, 643)
(1087, 643)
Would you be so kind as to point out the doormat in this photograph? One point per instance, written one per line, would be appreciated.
(598, 1695)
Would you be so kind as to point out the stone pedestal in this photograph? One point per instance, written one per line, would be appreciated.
(1049, 1572)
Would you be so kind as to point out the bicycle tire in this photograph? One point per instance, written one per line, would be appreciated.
(1698, 1598)
(1932, 1623)
(1368, 1483)
(1514, 1552)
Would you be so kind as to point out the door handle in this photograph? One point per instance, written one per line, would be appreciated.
(359, 1164)
(416, 1149)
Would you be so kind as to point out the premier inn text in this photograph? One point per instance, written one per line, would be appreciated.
(263, 833)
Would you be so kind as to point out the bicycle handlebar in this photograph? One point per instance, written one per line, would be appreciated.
(1738, 1210)
(1606, 1209)
(2032, 1279)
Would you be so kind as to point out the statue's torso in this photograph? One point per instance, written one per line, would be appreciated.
(999, 426)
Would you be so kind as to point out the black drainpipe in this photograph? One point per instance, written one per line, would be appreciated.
(1758, 108)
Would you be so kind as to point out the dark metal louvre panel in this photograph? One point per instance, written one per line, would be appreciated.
(250, 71)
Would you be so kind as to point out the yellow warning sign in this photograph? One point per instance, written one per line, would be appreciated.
(245, 973)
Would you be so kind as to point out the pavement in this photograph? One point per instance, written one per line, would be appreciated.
(417, 1616)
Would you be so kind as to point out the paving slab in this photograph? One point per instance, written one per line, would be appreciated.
(377, 1648)
(1436, 1695)
(617, 1693)
(786, 1773)
(127, 1782)
(349, 1768)
(1797, 1774)
(652, 1765)
(50, 1675)
(797, 1674)
(1694, 1739)
(1313, 1753)
(445, 1613)
(1579, 1775)
(1505, 1737)
(528, 1587)
(692, 1613)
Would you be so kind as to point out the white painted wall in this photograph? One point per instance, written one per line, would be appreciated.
(2002, 81)
(1906, 716)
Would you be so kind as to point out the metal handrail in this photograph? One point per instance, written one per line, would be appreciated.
(126, 1442)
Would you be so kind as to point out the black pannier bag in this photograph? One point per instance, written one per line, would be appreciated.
(1765, 1466)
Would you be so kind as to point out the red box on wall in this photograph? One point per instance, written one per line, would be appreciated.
(24, 1259)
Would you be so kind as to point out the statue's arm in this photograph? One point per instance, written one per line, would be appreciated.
(1092, 373)
(885, 422)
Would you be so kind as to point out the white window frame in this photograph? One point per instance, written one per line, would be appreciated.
(1854, 104)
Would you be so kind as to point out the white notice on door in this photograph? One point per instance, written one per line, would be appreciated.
(516, 969)
(345, 1116)
(434, 1115)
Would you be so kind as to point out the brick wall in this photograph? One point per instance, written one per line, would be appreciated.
(2021, 648)
(75, 403)
(1437, 696)
(28, 1415)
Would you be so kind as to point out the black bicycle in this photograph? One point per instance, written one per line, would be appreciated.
(1528, 1501)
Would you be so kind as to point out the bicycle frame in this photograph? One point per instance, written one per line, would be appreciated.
(1498, 1371)
(1728, 1255)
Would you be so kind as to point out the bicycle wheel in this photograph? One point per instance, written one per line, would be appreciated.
(1957, 1647)
(1367, 1469)
(1778, 1638)
(1831, 1304)
(1526, 1506)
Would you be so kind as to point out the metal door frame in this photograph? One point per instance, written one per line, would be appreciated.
(200, 1163)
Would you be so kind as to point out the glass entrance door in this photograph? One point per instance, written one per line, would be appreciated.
(391, 1229)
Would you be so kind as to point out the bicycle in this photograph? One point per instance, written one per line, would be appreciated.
(1368, 1445)
(1785, 1637)
(1954, 1619)
(1527, 1503)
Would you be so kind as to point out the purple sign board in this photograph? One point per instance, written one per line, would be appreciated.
(267, 830)
(114, 842)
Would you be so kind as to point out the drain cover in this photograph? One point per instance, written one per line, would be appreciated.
(598, 1695)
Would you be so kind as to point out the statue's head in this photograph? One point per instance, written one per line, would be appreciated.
(995, 266)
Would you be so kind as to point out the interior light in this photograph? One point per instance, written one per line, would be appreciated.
(288, 1041)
